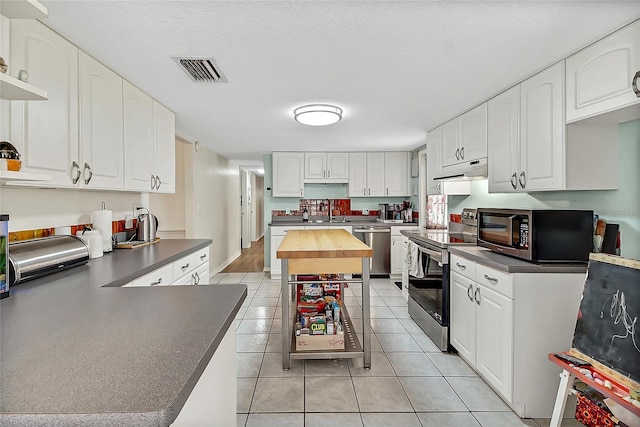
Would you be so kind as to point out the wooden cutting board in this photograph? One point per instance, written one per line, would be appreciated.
(133, 245)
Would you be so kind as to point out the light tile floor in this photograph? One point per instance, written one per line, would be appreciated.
(410, 383)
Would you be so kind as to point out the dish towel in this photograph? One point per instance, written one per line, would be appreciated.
(414, 260)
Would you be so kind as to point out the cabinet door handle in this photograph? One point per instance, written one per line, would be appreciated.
(301, 191)
(184, 267)
(477, 296)
(328, 174)
(461, 266)
(364, 191)
(158, 182)
(457, 154)
(76, 166)
(153, 182)
(369, 191)
(514, 181)
(522, 179)
(634, 83)
(439, 187)
(324, 174)
(197, 278)
(462, 153)
(491, 279)
(87, 167)
(469, 289)
(203, 257)
(157, 282)
(387, 191)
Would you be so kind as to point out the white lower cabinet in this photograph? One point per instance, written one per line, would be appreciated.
(505, 324)
(163, 276)
(192, 269)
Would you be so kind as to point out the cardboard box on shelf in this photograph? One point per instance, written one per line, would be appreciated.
(319, 342)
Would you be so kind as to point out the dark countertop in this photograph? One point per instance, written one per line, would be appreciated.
(78, 351)
(512, 265)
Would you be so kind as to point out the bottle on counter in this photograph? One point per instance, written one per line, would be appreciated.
(305, 215)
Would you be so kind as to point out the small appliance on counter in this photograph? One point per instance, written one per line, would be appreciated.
(538, 235)
(30, 259)
(4, 250)
(147, 226)
(395, 212)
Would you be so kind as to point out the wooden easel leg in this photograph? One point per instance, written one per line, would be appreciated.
(566, 383)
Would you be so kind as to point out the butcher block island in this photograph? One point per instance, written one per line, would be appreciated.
(314, 264)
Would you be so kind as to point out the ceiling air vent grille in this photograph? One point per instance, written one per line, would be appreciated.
(201, 69)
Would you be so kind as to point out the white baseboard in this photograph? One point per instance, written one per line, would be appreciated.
(224, 265)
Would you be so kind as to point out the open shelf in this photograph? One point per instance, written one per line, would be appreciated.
(14, 89)
(23, 9)
(352, 347)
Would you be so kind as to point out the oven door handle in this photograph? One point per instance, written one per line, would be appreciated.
(435, 255)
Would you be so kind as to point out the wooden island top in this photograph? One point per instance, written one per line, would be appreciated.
(323, 251)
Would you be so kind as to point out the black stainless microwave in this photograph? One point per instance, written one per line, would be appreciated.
(537, 235)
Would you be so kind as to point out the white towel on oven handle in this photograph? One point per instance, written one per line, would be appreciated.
(414, 260)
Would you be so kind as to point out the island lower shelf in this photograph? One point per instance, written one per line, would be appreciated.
(352, 347)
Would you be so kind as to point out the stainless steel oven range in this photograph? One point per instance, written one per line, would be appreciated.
(429, 295)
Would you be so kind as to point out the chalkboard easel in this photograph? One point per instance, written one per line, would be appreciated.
(607, 334)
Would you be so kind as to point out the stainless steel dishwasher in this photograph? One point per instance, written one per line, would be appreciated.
(379, 240)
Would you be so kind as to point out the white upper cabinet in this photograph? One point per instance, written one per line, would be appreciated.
(450, 148)
(434, 159)
(464, 139)
(503, 132)
(46, 132)
(338, 166)
(357, 174)
(542, 154)
(599, 77)
(101, 130)
(138, 139)
(326, 167)
(164, 137)
(379, 174)
(376, 174)
(288, 174)
(396, 173)
(473, 134)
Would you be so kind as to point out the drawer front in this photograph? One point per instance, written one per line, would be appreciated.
(498, 281)
(183, 266)
(160, 277)
(463, 266)
(187, 279)
(201, 256)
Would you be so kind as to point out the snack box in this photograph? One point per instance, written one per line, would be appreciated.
(319, 342)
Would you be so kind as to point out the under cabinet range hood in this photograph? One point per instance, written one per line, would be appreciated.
(475, 169)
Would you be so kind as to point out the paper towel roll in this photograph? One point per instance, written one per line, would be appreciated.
(101, 220)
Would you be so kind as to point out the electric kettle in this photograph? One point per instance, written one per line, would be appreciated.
(147, 227)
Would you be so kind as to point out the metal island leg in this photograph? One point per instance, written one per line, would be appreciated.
(366, 315)
(284, 300)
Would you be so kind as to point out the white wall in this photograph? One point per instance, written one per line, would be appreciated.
(258, 205)
(31, 207)
(212, 204)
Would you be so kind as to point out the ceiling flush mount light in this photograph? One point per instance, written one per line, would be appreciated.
(318, 114)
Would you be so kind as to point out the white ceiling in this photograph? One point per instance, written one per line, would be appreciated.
(398, 69)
